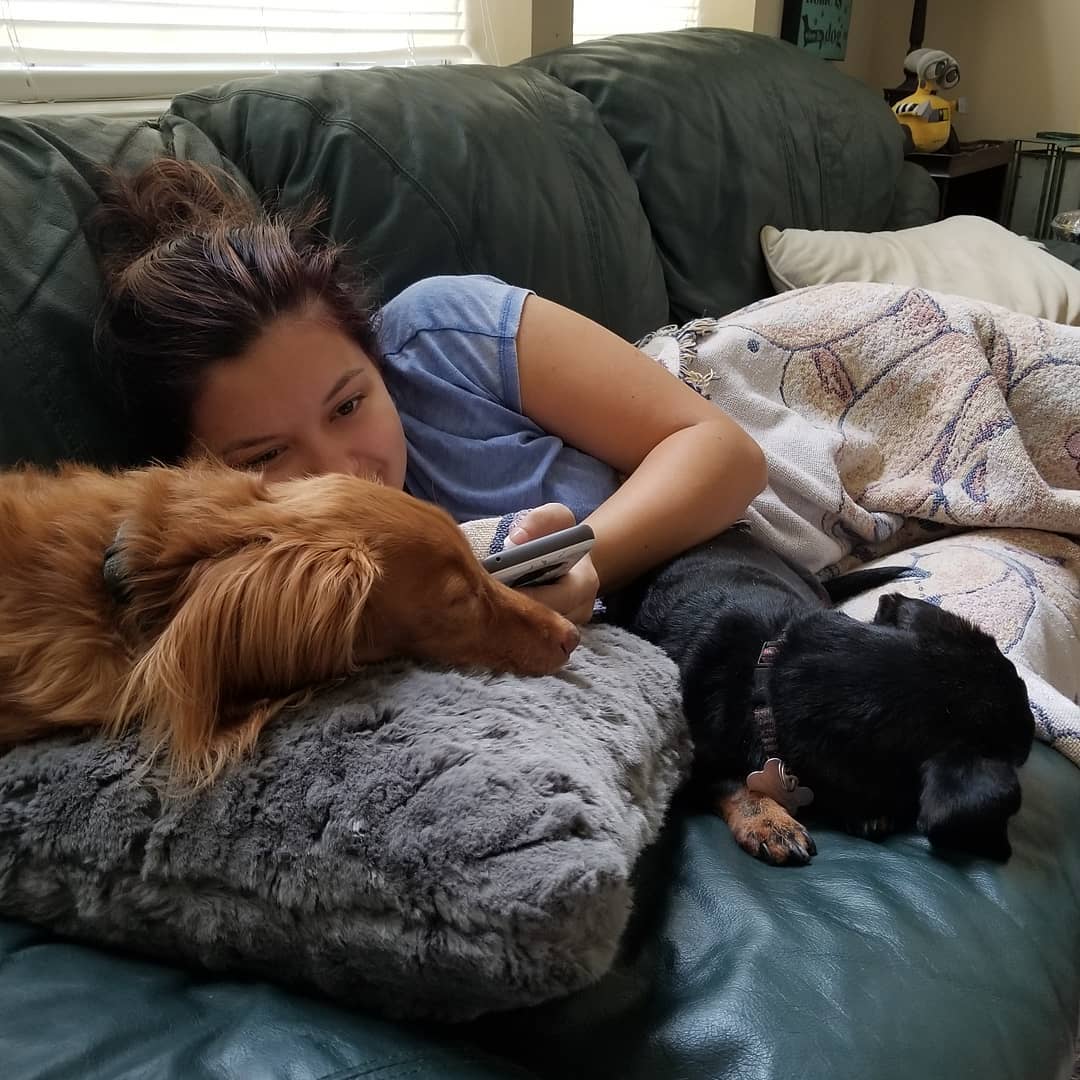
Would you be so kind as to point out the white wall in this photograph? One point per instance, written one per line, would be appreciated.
(736, 14)
(1018, 66)
(873, 29)
(501, 30)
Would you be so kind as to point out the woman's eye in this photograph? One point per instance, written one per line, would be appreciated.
(349, 406)
(262, 460)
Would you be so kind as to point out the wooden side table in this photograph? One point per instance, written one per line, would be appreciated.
(971, 180)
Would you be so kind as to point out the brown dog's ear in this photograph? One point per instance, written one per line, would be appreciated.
(261, 623)
(179, 517)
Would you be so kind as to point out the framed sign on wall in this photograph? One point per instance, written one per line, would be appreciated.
(819, 26)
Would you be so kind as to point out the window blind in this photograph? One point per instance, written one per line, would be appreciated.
(600, 18)
(77, 50)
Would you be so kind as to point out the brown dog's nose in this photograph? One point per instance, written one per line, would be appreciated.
(570, 639)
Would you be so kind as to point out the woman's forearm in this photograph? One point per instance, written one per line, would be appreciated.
(691, 486)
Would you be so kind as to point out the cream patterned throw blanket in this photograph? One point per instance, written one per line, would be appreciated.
(939, 431)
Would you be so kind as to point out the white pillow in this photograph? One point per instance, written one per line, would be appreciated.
(966, 256)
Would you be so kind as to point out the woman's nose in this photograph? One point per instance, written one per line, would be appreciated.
(327, 458)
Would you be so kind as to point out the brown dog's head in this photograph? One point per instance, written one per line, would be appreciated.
(240, 594)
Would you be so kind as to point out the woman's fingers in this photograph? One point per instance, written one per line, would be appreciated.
(573, 595)
(542, 521)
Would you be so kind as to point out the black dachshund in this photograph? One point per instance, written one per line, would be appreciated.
(915, 719)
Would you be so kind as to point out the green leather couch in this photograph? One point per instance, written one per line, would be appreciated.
(628, 179)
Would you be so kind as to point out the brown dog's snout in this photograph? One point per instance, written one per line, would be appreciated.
(535, 640)
(478, 623)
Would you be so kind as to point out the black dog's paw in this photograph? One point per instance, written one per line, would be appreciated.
(870, 828)
(765, 829)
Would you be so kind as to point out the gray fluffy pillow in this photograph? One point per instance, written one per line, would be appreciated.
(425, 842)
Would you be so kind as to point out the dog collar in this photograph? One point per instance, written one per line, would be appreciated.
(113, 572)
(772, 778)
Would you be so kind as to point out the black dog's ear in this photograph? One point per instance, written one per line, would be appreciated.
(911, 613)
(966, 802)
(888, 606)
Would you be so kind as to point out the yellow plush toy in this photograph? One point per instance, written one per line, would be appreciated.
(925, 113)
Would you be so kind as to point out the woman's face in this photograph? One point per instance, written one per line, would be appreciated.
(303, 400)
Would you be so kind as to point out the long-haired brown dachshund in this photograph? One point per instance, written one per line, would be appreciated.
(223, 595)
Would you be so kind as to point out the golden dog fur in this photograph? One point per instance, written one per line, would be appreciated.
(238, 594)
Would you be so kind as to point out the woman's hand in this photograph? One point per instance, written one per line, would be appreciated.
(574, 594)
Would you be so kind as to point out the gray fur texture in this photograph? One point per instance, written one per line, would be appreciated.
(427, 843)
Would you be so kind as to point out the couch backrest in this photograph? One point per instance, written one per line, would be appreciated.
(627, 179)
(451, 170)
(437, 170)
(725, 131)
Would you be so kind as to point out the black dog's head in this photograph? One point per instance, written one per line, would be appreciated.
(969, 787)
(917, 717)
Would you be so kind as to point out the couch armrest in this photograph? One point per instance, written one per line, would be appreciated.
(916, 200)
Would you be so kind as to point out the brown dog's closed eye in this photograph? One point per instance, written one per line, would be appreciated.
(197, 601)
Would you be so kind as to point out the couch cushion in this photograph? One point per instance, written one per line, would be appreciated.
(721, 143)
(877, 960)
(51, 403)
(73, 1013)
(451, 170)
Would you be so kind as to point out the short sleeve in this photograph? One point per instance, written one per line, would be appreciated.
(458, 330)
(450, 364)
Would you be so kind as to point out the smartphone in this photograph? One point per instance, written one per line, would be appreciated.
(539, 562)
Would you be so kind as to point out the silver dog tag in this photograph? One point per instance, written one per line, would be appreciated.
(780, 786)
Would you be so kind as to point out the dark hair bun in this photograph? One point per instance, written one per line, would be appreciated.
(166, 198)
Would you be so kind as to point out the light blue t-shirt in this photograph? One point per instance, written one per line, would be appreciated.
(450, 363)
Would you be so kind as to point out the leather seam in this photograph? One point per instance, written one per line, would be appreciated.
(586, 214)
(781, 126)
(357, 1072)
